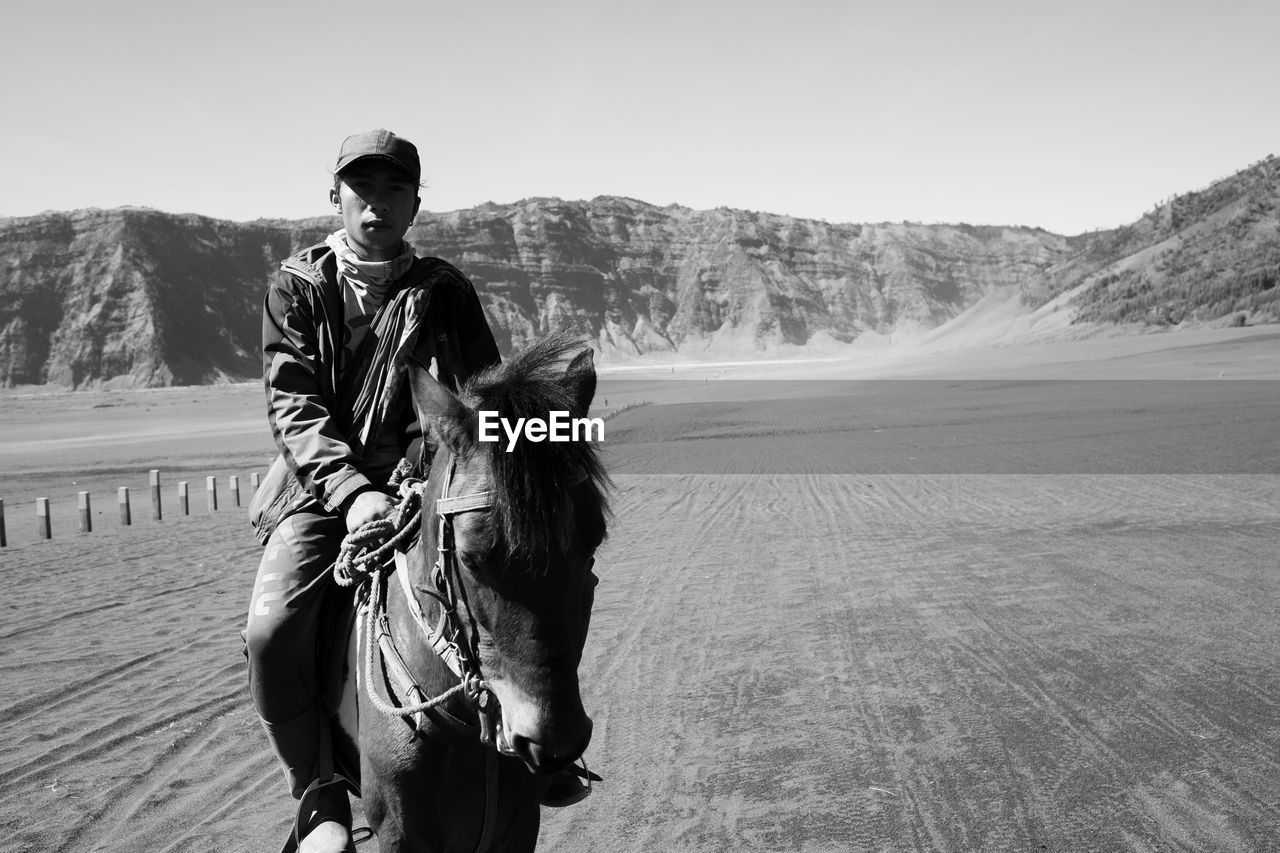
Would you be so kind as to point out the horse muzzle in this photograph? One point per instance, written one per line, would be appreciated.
(548, 748)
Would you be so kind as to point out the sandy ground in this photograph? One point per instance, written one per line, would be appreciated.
(971, 352)
(977, 612)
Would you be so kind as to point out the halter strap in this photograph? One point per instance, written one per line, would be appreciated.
(464, 503)
(447, 506)
(437, 635)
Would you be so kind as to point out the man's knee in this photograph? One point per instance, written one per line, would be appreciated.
(267, 634)
(265, 642)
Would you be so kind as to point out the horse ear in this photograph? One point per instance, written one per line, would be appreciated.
(580, 381)
(439, 409)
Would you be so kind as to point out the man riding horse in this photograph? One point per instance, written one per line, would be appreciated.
(339, 323)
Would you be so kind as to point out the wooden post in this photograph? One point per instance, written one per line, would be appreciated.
(183, 504)
(233, 483)
(122, 497)
(3, 540)
(43, 528)
(156, 513)
(254, 481)
(86, 514)
(211, 488)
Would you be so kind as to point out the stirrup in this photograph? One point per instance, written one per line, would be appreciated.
(305, 802)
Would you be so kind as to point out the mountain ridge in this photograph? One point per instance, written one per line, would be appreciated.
(137, 297)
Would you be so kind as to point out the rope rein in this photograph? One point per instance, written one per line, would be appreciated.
(373, 546)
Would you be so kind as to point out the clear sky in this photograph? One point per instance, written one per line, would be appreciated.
(1069, 116)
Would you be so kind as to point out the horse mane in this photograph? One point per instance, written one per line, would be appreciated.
(531, 483)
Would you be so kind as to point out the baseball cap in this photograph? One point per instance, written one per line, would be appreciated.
(383, 144)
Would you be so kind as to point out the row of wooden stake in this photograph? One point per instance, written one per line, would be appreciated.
(44, 525)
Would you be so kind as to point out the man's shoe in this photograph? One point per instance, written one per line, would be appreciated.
(323, 806)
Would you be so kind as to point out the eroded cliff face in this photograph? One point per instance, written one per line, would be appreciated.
(141, 298)
(643, 278)
(135, 298)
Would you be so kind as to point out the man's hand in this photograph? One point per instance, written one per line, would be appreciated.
(368, 506)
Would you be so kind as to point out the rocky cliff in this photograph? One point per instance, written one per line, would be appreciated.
(644, 278)
(142, 298)
(1196, 257)
(134, 297)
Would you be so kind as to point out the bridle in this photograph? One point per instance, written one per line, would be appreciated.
(448, 638)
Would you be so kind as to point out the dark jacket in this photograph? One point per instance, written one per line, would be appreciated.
(323, 415)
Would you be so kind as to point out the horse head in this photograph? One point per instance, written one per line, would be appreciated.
(522, 549)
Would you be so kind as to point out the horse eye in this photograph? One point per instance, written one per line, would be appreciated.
(474, 563)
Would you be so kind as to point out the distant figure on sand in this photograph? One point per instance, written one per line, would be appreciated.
(338, 323)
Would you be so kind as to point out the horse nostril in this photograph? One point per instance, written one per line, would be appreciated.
(526, 749)
(544, 758)
(538, 758)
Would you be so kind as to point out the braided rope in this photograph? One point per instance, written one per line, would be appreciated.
(371, 546)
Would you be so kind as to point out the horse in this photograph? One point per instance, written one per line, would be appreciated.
(467, 698)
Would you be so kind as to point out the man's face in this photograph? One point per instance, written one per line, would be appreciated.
(377, 202)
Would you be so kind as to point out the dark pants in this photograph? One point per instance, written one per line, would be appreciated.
(284, 616)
